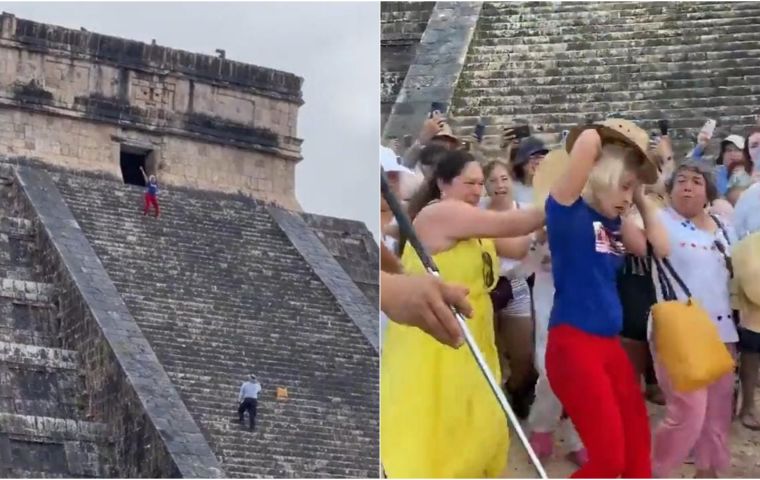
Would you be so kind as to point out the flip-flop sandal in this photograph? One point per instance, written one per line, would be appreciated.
(754, 426)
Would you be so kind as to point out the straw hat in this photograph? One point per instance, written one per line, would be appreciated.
(745, 287)
(551, 168)
(623, 131)
(445, 133)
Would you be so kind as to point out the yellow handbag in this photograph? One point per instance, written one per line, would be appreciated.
(686, 340)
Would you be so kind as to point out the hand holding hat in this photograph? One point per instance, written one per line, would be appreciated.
(624, 132)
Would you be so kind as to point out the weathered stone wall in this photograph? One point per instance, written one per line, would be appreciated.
(555, 65)
(401, 27)
(220, 291)
(350, 243)
(436, 67)
(127, 387)
(44, 428)
(73, 97)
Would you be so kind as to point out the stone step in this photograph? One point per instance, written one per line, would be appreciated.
(209, 272)
(26, 291)
(606, 81)
(650, 70)
(266, 444)
(556, 123)
(25, 473)
(184, 337)
(593, 16)
(16, 226)
(698, 63)
(222, 413)
(487, 36)
(568, 55)
(27, 337)
(647, 115)
(492, 30)
(323, 469)
(297, 392)
(37, 356)
(575, 8)
(518, 99)
(51, 428)
(41, 447)
(648, 47)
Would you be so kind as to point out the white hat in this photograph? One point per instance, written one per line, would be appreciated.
(737, 140)
(389, 161)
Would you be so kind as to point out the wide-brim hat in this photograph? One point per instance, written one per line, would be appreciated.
(625, 132)
(746, 262)
(551, 168)
(445, 133)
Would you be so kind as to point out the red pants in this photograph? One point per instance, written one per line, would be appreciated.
(595, 381)
(150, 200)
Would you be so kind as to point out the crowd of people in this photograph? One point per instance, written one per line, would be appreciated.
(558, 256)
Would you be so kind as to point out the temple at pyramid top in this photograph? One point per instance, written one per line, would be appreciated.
(98, 103)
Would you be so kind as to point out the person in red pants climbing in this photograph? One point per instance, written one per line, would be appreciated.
(151, 192)
(586, 365)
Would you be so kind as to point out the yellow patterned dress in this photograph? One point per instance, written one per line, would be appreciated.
(438, 416)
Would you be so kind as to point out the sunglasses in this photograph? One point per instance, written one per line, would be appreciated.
(488, 276)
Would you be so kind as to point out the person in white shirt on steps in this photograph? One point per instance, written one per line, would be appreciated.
(248, 398)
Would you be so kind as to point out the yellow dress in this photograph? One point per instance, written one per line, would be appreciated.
(438, 416)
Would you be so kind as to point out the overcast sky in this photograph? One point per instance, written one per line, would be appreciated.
(333, 46)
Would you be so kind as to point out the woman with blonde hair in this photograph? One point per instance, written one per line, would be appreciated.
(587, 367)
(439, 416)
(546, 412)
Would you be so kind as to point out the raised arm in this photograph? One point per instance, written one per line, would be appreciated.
(635, 238)
(514, 248)
(429, 129)
(145, 176)
(703, 139)
(459, 220)
(583, 156)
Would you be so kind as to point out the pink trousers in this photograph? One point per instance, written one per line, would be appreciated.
(700, 420)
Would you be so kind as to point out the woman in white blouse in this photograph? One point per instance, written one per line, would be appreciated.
(698, 246)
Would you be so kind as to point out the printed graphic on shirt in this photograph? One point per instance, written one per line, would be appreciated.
(607, 241)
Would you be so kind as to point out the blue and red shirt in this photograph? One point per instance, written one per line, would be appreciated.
(152, 188)
(587, 253)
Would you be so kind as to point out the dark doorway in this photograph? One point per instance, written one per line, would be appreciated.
(131, 161)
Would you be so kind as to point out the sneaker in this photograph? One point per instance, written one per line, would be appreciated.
(542, 443)
(578, 457)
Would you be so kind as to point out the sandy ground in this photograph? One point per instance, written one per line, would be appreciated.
(745, 451)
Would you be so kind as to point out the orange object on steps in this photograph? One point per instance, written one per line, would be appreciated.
(282, 393)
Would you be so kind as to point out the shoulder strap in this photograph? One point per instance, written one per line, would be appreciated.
(668, 291)
(722, 228)
(722, 249)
